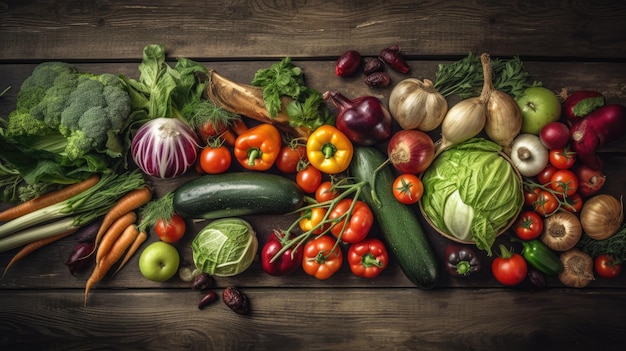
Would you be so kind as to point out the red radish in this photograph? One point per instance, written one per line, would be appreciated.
(411, 151)
(554, 135)
(589, 181)
(580, 103)
(348, 63)
(604, 125)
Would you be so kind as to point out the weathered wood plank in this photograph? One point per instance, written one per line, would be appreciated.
(349, 319)
(221, 29)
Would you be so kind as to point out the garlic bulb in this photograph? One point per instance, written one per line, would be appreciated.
(504, 117)
(416, 104)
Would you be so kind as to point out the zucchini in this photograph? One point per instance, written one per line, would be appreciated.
(237, 194)
(399, 224)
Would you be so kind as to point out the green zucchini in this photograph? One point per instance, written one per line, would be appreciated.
(237, 194)
(399, 224)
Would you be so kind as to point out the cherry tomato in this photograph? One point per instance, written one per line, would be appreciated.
(562, 158)
(530, 196)
(510, 268)
(288, 262)
(546, 203)
(211, 130)
(368, 258)
(215, 159)
(529, 225)
(545, 175)
(289, 157)
(408, 188)
(608, 266)
(325, 192)
(573, 203)
(309, 179)
(320, 259)
(311, 217)
(172, 230)
(564, 182)
(360, 221)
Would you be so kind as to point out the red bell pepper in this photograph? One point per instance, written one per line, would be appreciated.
(368, 258)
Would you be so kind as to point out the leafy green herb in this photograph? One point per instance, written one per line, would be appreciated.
(285, 79)
(615, 245)
(465, 77)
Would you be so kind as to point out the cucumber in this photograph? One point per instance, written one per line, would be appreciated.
(399, 224)
(237, 194)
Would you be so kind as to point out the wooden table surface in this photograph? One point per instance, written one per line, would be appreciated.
(575, 44)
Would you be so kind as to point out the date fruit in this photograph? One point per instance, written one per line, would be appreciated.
(394, 58)
(373, 64)
(236, 300)
(378, 80)
(207, 299)
(348, 63)
(203, 282)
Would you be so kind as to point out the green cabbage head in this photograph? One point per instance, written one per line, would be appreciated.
(225, 247)
(471, 192)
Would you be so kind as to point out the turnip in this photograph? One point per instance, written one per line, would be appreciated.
(604, 125)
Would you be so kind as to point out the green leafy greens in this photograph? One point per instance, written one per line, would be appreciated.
(471, 192)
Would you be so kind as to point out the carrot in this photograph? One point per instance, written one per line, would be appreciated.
(239, 126)
(229, 137)
(140, 239)
(117, 250)
(48, 199)
(129, 202)
(114, 232)
(34, 246)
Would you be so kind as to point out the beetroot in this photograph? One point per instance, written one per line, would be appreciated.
(604, 125)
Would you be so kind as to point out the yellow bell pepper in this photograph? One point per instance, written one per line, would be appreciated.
(329, 149)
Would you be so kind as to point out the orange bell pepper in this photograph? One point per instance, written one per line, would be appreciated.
(329, 149)
(258, 147)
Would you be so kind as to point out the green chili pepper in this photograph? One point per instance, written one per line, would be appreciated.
(541, 257)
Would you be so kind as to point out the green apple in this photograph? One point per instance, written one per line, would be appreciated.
(159, 261)
(539, 107)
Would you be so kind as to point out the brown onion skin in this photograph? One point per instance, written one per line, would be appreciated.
(411, 151)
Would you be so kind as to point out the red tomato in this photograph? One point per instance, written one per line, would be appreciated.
(564, 182)
(360, 221)
(408, 188)
(288, 262)
(211, 130)
(573, 203)
(368, 258)
(546, 203)
(289, 157)
(530, 196)
(544, 176)
(562, 158)
(529, 225)
(608, 266)
(510, 268)
(172, 230)
(325, 192)
(321, 258)
(215, 159)
(309, 179)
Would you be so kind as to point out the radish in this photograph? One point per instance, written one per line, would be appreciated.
(604, 125)
(580, 103)
(554, 135)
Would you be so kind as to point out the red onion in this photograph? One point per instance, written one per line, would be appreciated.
(165, 147)
(411, 151)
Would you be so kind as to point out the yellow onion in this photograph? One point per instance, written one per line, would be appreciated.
(504, 117)
(416, 104)
(601, 216)
(577, 269)
(561, 231)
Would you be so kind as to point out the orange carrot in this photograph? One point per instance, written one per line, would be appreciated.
(140, 239)
(119, 247)
(48, 199)
(239, 126)
(34, 246)
(229, 137)
(129, 202)
(114, 232)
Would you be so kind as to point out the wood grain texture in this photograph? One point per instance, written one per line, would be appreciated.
(222, 29)
(289, 319)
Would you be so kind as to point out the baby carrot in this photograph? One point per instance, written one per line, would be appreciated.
(140, 239)
(238, 126)
(34, 246)
(119, 247)
(113, 233)
(229, 137)
(48, 199)
(129, 202)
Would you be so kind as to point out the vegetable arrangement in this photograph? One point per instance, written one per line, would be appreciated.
(275, 147)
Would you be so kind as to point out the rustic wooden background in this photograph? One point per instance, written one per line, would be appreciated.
(574, 44)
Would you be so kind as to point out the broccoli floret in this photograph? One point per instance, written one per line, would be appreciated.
(56, 98)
